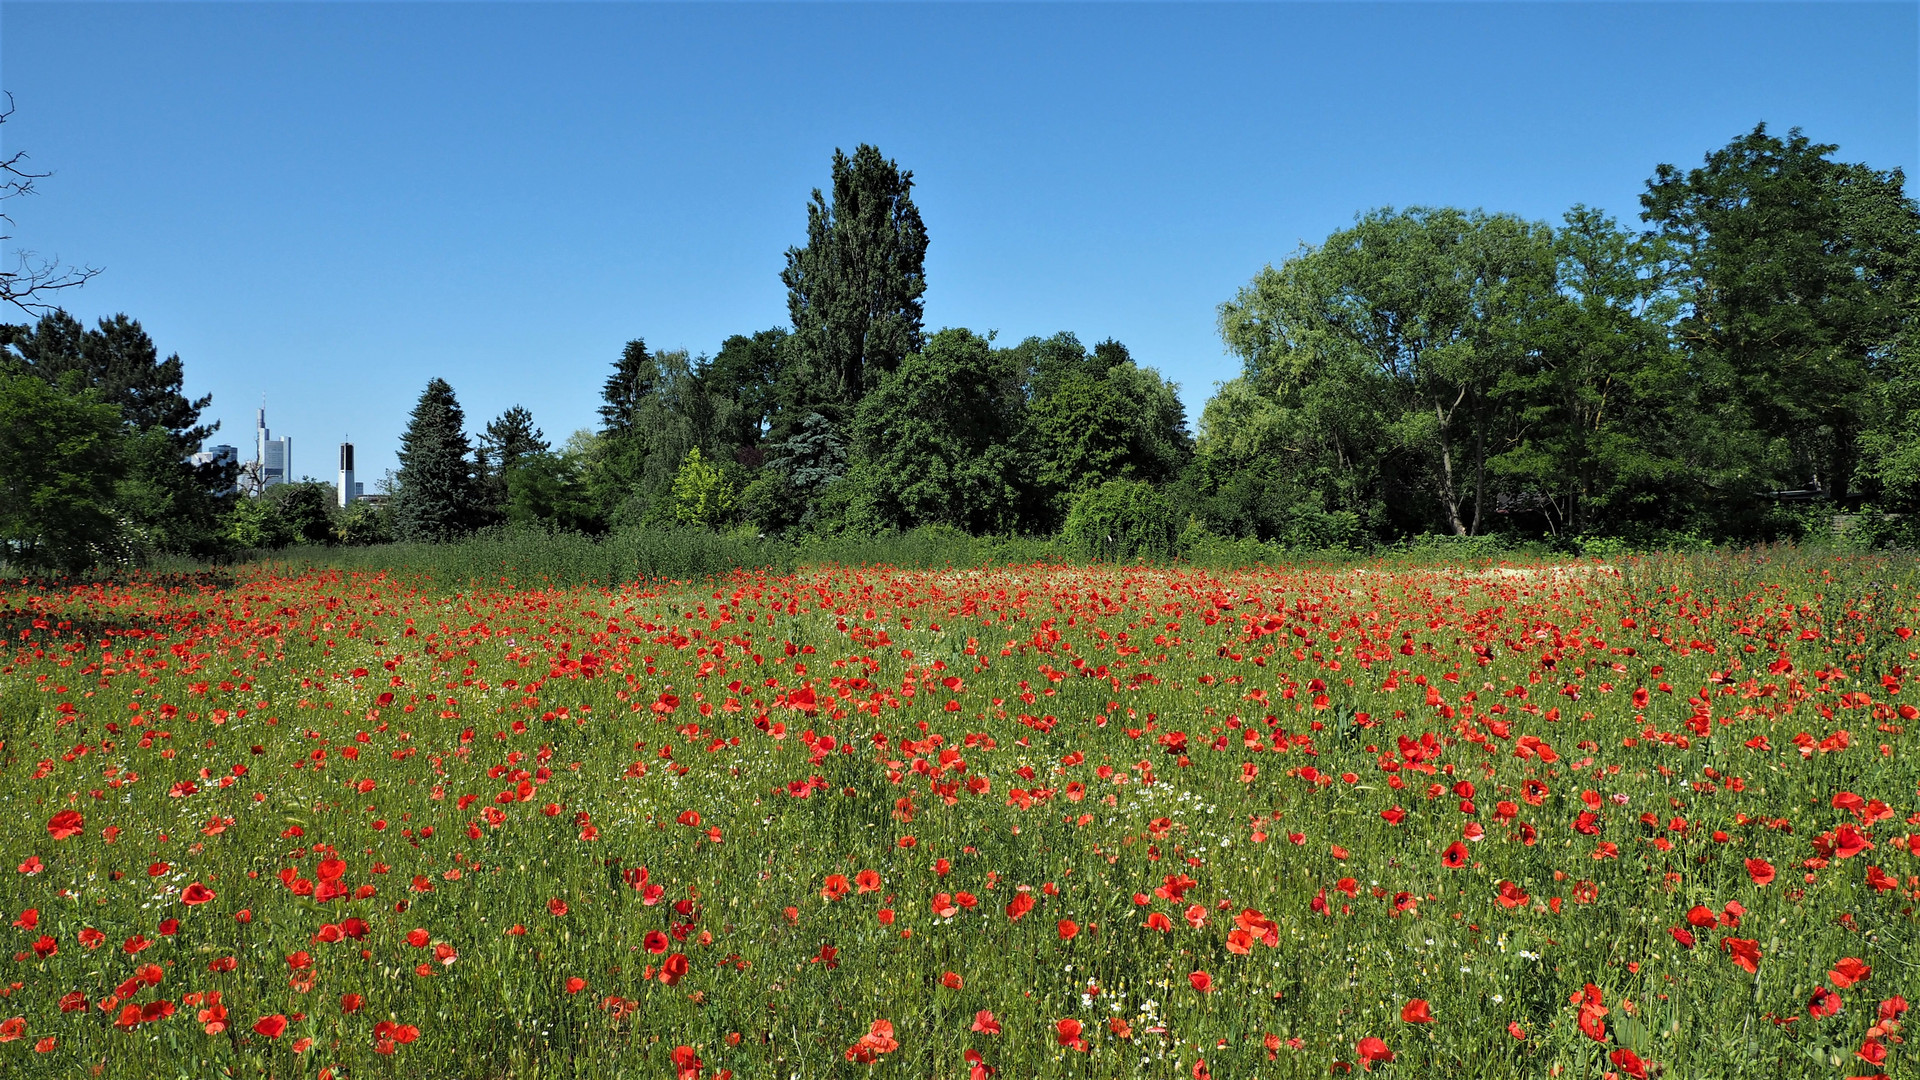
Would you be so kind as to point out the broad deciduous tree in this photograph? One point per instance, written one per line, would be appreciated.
(1798, 274)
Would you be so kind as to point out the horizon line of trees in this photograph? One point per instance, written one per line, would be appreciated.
(1753, 347)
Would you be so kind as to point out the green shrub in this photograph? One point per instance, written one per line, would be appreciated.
(1120, 519)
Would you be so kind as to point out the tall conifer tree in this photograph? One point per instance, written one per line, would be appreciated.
(438, 498)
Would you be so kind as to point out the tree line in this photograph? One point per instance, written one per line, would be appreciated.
(1738, 365)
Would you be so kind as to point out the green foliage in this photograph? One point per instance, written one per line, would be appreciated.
(362, 523)
(1799, 278)
(931, 440)
(549, 490)
(437, 497)
(254, 525)
(658, 406)
(1092, 417)
(703, 494)
(796, 472)
(1890, 439)
(163, 503)
(854, 291)
(509, 439)
(60, 456)
(299, 513)
(1120, 519)
(753, 375)
(1381, 357)
(1607, 422)
(305, 510)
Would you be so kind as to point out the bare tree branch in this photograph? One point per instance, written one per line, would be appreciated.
(29, 287)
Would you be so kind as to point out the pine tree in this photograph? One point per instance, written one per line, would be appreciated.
(438, 498)
(630, 385)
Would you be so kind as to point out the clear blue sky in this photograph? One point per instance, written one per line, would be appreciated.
(330, 204)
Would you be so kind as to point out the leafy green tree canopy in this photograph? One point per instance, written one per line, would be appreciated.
(1799, 275)
(930, 443)
(60, 457)
(1390, 343)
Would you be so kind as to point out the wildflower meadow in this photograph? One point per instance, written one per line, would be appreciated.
(1654, 817)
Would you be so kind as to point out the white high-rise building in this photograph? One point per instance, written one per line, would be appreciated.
(349, 490)
(274, 456)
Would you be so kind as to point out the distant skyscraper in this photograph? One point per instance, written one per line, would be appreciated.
(348, 489)
(216, 455)
(275, 456)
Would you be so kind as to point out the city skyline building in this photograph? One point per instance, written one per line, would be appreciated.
(274, 456)
(349, 490)
(218, 454)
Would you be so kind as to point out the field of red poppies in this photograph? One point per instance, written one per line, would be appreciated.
(1660, 818)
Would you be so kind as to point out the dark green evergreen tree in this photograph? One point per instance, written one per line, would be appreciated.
(854, 291)
(437, 498)
(630, 385)
(509, 439)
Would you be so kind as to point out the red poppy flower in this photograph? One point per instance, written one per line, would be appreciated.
(1019, 905)
(984, 1023)
(877, 1041)
(1760, 870)
(1824, 1002)
(952, 981)
(1068, 928)
(1628, 1062)
(557, 907)
(835, 887)
(1372, 1051)
(1743, 951)
(195, 895)
(1702, 917)
(1848, 971)
(1067, 1033)
(1453, 858)
(1512, 896)
(1201, 981)
(66, 824)
(271, 1026)
(1416, 1012)
(867, 881)
(673, 969)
